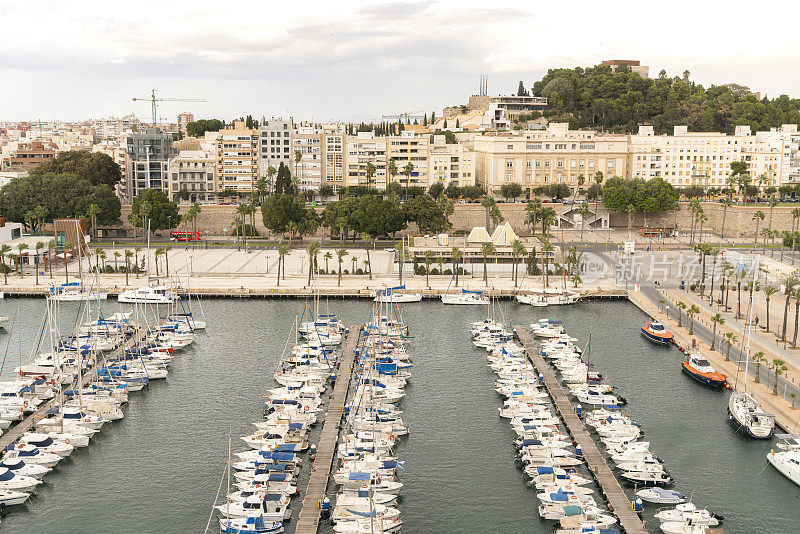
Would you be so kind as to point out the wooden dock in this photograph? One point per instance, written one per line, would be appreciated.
(308, 520)
(614, 495)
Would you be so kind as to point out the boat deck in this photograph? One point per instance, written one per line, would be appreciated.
(308, 520)
(609, 484)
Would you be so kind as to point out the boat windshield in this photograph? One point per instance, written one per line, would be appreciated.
(657, 327)
(701, 361)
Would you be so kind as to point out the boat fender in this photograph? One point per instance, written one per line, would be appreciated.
(66, 441)
(305, 408)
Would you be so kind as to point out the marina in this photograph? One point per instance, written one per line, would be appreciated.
(86, 491)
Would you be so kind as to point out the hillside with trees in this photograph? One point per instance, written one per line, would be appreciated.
(596, 97)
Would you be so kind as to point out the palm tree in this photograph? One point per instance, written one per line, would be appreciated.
(402, 256)
(789, 284)
(576, 279)
(772, 203)
(717, 319)
(92, 212)
(778, 366)
(283, 250)
(313, 250)
(584, 211)
(136, 251)
(547, 249)
(739, 279)
(758, 216)
(486, 249)
(4, 250)
(519, 251)
(392, 169)
(691, 312)
(117, 255)
(768, 292)
(15, 258)
(730, 338)
(37, 247)
(758, 357)
(429, 254)
(795, 216)
(796, 296)
(128, 254)
(327, 256)
(408, 168)
(547, 216)
(533, 209)
(370, 173)
(51, 257)
(793, 395)
(159, 251)
(22, 248)
(340, 254)
(488, 203)
(455, 255)
(167, 248)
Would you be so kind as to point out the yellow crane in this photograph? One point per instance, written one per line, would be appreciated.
(152, 99)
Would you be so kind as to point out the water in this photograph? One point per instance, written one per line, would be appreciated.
(158, 470)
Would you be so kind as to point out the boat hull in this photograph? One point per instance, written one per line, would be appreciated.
(657, 340)
(703, 378)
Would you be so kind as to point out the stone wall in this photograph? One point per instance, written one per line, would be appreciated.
(217, 220)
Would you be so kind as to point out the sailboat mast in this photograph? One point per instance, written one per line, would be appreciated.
(750, 321)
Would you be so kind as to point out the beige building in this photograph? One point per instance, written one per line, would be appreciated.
(237, 152)
(453, 163)
(334, 145)
(554, 155)
(308, 142)
(193, 175)
(362, 150)
(409, 148)
(184, 119)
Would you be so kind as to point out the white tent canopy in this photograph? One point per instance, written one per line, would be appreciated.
(479, 235)
(504, 235)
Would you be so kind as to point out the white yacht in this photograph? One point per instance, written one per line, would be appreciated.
(161, 294)
(549, 297)
(73, 292)
(466, 297)
(787, 461)
(747, 416)
(396, 295)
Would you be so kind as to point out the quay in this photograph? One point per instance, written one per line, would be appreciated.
(308, 520)
(609, 484)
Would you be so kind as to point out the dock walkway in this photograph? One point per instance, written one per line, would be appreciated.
(602, 474)
(308, 521)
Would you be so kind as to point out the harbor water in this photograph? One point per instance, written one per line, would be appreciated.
(159, 469)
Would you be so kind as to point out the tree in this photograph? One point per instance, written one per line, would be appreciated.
(768, 292)
(519, 251)
(730, 338)
(199, 127)
(758, 357)
(778, 367)
(95, 167)
(717, 319)
(4, 253)
(725, 205)
(429, 254)
(758, 216)
(128, 255)
(283, 183)
(154, 207)
(408, 169)
(313, 251)
(340, 254)
(691, 312)
(796, 296)
(521, 91)
(283, 250)
(486, 249)
(511, 190)
(430, 215)
(370, 173)
(789, 284)
(283, 213)
(436, 190)
(584, 211)
(456, 255)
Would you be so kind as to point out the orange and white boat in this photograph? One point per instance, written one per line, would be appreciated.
(657, 333)
(698, 368)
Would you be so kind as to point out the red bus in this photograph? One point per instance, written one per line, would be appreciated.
(178, 235)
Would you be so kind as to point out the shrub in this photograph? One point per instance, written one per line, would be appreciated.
(359, 271)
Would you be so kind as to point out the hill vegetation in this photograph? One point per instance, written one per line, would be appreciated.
(596, 97)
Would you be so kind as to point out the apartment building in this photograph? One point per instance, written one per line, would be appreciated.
(453, 163)
(275, 145)
(554, 155)
(193, 175)
(238, 153)
(334, 145)
(112, 127)
(146, 159)
(409, 148)
(307, 142)
(29, 154)
(362, 150)
(184, 119)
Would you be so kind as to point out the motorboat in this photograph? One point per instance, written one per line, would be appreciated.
(466, 297)
(660, 495)
(73, 292)
(11, 481)
(272, 507)
(686, 511)
(20, 467)
(160, 294)
(657, 333)
(748, 417)
(648, 476)
(787, 462)
(698, 369)
(368, 525)
(12, 498)
(396, 295)
(250, 525)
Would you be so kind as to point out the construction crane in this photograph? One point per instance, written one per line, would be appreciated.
(152, 99)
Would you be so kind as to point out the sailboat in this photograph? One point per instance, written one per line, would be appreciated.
(744, 412)
(466, 297)
(396, 295)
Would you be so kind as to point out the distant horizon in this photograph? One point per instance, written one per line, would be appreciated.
(359, 60)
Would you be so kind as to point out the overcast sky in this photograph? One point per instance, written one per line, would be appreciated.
(357, 60)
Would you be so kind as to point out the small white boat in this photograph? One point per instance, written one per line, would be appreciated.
(73, 292)
(660, 496)
(687, 511)
(787, 462)
(466, 297)
(12, 498)
(549, 297)
(148, 295)
(11, 481)
(396, 295)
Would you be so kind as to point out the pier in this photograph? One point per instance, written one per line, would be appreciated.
(308, 520)
(609, 484)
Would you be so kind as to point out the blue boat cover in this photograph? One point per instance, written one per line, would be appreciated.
(544, 470)
(571, 510)
(359, 476)
(295, 425)
(7, 475)
(273, 497)
(559, 496)
(9, 464)
(277, 477)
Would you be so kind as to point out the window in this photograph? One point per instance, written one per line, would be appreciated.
(509, 176)
(509, 164)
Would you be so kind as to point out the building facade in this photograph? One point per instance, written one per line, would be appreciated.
(147, 157)
(307, 143)
(452, 163)
(183, 120)
(237, 151)
(193, 175)
(275, 145)
(404, 149)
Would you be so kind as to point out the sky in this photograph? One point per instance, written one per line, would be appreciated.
(358, 60)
